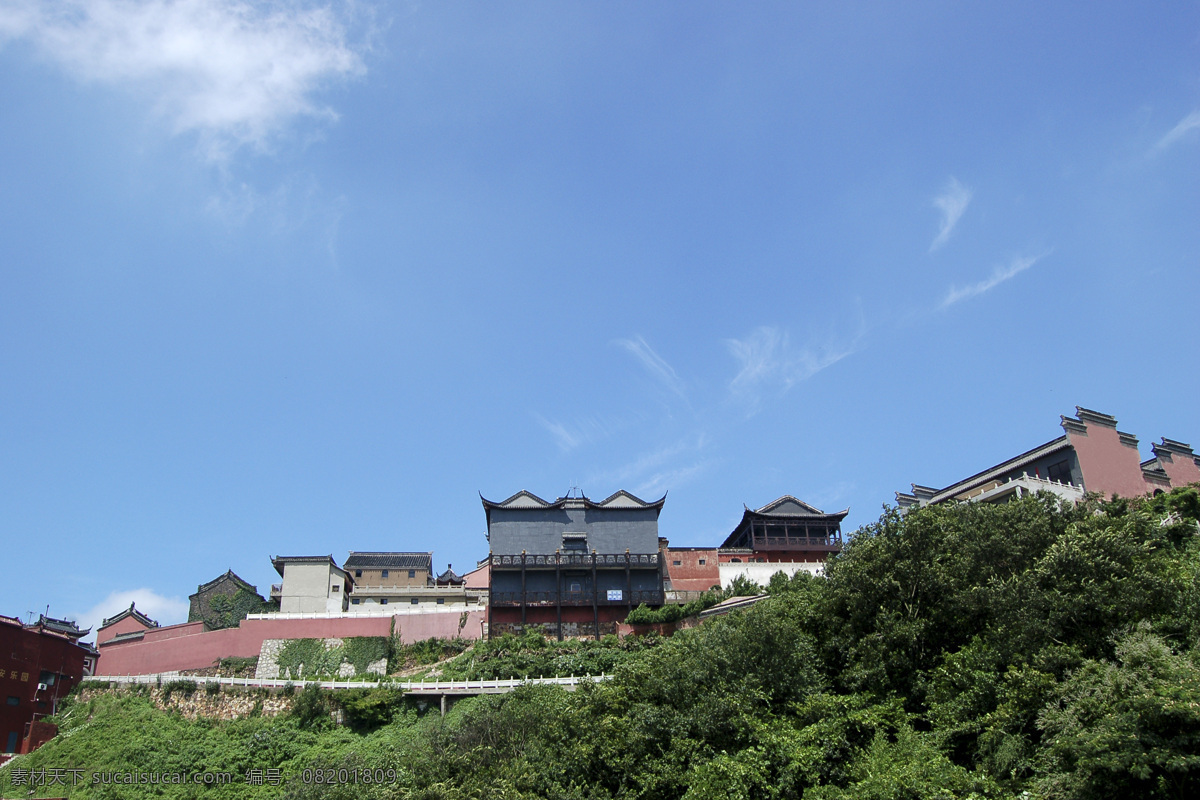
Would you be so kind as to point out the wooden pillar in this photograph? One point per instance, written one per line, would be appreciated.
(628, 582)
(522, 591)
(558, 592)
(595, 598)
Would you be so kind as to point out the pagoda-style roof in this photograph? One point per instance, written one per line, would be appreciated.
(525, 499)
(365, 560)
(129, 612)
(784, 509)
(229, 575)
(450, 577)
(279, 562)
(67, 627)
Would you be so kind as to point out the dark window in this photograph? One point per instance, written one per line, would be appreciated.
(358, 573)
(383, 574)
(703, 562)
(11, 747)
(47, 677)
(676, 563)
(441, 601)
(354, 601)
(735, 561)
(334, 588)
(1060, 472)
(414, 601)
(412, 573)
(383, 601)
(14, 701)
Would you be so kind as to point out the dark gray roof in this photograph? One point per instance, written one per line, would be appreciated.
(130, 612)
(229, 575)
(64, 626)
(278, 562)
(389, 561)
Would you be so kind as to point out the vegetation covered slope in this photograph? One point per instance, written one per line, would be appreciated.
(1022, 650)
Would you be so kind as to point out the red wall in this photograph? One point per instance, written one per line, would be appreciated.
(188, 646)
(1108, 466)
(690, 576)
(24, 653)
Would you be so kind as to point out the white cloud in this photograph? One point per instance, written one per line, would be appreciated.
(231, 72)
(1189, 123)
(952, 202)
(998, 276)
(653, 363)
(768, 361)
(584, 430)
(664, 481)
(164, 610)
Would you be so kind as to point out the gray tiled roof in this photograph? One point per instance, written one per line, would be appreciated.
(389, 561)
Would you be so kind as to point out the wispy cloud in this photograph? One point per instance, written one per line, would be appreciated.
(768, 361)
(651, 462)
(231, 72)
(653, 363)
(669, 479)
(164, 610)
(999, 275)
(585, 430)
(952, 202)
(1189, 123)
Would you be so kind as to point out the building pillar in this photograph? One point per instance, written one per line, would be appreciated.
(522, 591)
(595, 598)
(558, 593)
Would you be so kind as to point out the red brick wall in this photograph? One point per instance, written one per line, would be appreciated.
(690, 575)
(187, 646)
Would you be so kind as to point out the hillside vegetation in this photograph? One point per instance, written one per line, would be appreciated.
(965, 651)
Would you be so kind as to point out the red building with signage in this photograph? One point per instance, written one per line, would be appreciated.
(39, 665)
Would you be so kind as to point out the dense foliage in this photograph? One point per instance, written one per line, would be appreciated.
(312, 658)
(1024, 650)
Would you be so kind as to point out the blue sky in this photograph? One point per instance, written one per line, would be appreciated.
(302, 278)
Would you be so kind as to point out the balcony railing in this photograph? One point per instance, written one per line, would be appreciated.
(574, 560)
(551, 599)
(796, 542)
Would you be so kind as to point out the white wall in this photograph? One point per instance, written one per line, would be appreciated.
(761, 573)
(307, 588)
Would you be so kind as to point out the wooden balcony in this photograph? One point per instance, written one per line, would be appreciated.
(574, 560)
(553, 599)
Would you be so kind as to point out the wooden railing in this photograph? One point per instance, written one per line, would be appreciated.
(574, 560)
(650, 598)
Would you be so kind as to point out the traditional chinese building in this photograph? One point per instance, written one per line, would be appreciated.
(571, 567)
(224, 601)
(786, 535)
(39, 665)
(1090, 456)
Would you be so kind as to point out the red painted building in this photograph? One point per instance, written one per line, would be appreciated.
(1090, 456)
(132, 644)
(39, 665)
(786, 535)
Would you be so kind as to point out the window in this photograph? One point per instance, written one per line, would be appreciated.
(441, 601)
(575, 587)
(412, 573)
(383, 601)
(735, 561)
(703, 562)
(355, 601)
(676, 563)
(358, 573)
(383, 573)
(414, 601)
(334, 588)
(14, 701)
(1060, 472)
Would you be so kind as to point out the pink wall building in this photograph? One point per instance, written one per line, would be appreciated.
(1090, 456)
